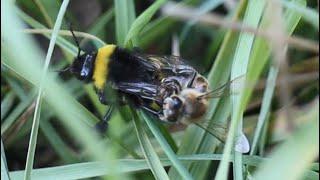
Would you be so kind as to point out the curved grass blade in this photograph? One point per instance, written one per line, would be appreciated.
(4, 165)
(142, 20)
(195, 139)
(304, 141)
(149, 152)
(94, 169)
(166, 147)
(124, 16)
(6, 104)
(36, 118)
(239, 67)
(65, 107)
(266, 103)
(308, 14)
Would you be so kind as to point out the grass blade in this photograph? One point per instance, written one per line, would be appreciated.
(4, 165)
(305, 141)
(240, 63)
(261, 51)
(94, 169)
(142, 20)
(308, 14)
(36, 117)
(265, 107)
(6, 104)
(14, 115)
(196, 140)
(149, 153)
(124, 14)
(66, 108)
(166, 147)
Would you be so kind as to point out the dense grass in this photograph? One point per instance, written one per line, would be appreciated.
(47, 120)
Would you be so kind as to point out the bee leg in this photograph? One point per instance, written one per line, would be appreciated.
(102, 97)
(156, 113)
(102, 126)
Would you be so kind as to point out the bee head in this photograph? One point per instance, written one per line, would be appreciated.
(172, 108)
(82, 66)
(194, 107)
(185, 107)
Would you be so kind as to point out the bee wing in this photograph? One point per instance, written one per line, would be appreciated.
(220, 132)
(224, 90)
(140, 89)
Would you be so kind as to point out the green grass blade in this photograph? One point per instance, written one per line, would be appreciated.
(94, 169)
(66, 108)
(14, 84)
(14, 115)
(195, 139)
(101, 22)
(6, 104)
(44, 12)
(56, 141)
(304, 142)
(205, 7)
(4, 165)
(261, 51)
(311, 16)
(166, 148)
(149, 152)
(265, 108)
(142, 20)
(239, 67)
(36, 118)
(124, 10)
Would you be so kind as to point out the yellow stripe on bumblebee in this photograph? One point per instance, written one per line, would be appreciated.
(101, 65)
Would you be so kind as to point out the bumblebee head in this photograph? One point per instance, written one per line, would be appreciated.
(83, 66)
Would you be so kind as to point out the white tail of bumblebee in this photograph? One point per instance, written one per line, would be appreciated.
(242, 144)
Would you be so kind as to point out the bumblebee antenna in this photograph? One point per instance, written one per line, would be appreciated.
(75, 39)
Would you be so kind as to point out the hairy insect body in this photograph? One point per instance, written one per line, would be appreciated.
(162, 85)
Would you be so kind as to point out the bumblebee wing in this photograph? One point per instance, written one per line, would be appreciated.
(139, 89)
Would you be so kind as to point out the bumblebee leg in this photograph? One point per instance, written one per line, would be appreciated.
(102, 126)
(102, 97)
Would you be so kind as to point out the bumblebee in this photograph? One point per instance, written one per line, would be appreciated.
(162, 85)
(145, 80)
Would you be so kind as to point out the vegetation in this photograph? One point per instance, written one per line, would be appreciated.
(47, 120)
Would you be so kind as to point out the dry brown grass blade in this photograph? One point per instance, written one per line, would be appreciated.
(186, 13)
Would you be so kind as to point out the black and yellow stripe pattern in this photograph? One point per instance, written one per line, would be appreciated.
(100, 73)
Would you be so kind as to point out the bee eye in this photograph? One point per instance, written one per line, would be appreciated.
(177, 103)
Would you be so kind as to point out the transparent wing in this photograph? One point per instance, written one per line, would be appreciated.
(224, 90)
(220, 132)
